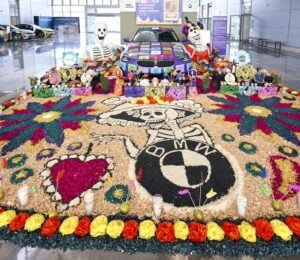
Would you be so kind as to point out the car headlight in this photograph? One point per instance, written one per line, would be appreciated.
(125, 58)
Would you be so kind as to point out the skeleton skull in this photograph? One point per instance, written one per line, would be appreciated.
(194, 35)
(154, 117)
(100, 31)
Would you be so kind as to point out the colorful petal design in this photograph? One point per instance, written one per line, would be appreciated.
(248, 148)
(286, 173)
(256, 169)
(21, 175)
(253, 113)
(43, 121)
(117, 194)
(16, 160)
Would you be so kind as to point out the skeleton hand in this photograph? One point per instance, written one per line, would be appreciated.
(106, 138)
(131, 148)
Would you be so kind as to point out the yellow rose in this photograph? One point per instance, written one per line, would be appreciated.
(147, 229)
(247, 232)
(214, 231)
(281, 229)
(98, 226)
(115, 228)
(34, 222)
(69, 225)
(181, 230)
(6, 217)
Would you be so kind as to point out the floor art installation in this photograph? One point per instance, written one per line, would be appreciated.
(202, 155)
(203, 160)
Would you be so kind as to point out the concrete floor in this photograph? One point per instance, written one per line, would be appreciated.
(20, 60)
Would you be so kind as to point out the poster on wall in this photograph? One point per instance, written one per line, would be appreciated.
(219, 34)
(158, 12)
(67, 25)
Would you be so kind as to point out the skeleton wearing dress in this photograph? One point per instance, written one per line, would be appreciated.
(100, 50)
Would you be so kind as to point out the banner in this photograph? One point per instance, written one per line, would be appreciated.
(219, 34)
(158, 12)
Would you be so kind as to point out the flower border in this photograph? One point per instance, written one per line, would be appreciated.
(108, 241)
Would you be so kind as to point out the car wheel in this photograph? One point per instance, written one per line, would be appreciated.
(16, 37)
(41, 34)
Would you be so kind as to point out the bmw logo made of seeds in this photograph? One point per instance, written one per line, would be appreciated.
(175, 158)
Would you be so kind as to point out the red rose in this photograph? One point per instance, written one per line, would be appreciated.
(18, 222)
(263, 229)
(1, 210)
(294, 225)
(165, 232)
(83, 227)
(130, 229)
(231, 230)
(197, 232)
(50, 227)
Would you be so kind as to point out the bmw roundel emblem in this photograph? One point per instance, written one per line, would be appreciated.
(169, 166)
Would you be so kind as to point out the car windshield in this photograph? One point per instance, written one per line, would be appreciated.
(150, 35)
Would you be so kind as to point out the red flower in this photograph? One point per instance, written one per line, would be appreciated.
(83, 227)
(165, 232)
(18, 222)
(50, 227)
(1, 210)
(294, 225)
(197, 232)
(130, 230)
(263, 229)
(231, 230)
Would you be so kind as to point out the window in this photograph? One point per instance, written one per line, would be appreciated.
(57, 2)
(82, 2)
(106, 2)
(74, 2)
(98, 2)
(66, 2)
(90, 2)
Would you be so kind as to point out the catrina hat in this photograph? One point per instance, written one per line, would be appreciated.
(129, 114)
(188, 24)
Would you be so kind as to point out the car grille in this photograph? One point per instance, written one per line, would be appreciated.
(151, 63)
(146, 63)
(165, 63)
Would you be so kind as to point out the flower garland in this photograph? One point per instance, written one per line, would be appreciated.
(101, 231)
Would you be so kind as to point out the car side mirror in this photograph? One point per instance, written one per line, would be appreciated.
(184, 40)
(126, 39)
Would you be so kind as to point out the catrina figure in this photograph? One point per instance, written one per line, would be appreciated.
(197, 50)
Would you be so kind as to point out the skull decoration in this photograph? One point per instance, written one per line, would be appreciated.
(154, 117)
(100, 31)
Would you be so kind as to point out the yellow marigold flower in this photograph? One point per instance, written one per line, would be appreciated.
(115, 228)
(34, 222)
(214, 231)
(247, 232)
(6, 217)
(281, 229)
(181, 230)
(98, 226)
(147, 229)
(69, 225)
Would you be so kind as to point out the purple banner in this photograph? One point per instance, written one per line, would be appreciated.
(219, 34)
(158, 12)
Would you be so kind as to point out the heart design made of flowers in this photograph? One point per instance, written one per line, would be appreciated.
(67, 179)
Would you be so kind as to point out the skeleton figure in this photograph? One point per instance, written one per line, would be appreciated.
(197, 49)
(155, 117)
(176, 157)
(100, 50)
